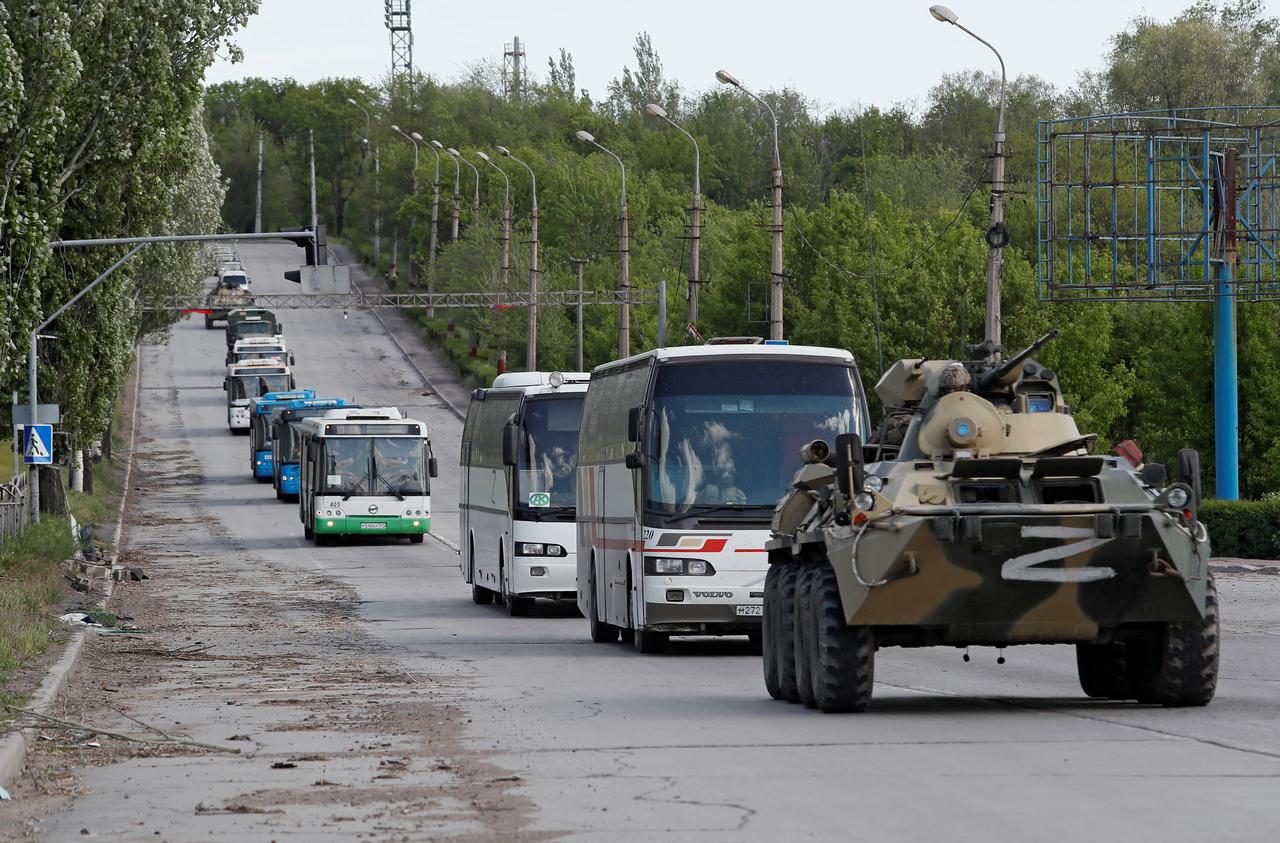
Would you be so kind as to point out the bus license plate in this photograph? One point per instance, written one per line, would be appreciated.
(749, 611)
(372, 525)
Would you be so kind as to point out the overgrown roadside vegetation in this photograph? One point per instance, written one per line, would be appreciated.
(33, 590)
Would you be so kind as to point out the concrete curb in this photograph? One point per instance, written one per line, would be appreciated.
(13, 748)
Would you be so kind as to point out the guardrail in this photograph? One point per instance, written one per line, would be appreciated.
(362, 300)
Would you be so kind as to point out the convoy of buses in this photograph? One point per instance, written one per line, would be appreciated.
(642, 491)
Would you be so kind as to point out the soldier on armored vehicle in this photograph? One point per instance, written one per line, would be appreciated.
(991, 525)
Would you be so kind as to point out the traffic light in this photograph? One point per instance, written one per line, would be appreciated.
(316, 247)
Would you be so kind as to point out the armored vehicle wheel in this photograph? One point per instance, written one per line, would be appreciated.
(518, 607)
(1180, 668)
(649, 642)
(481, 596)
(769, 628)
(601, 632)
(1103, 670)
(844, 670)
(803, 635)
(785, 644)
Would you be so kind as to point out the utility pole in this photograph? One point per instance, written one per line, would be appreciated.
(578, 263)
(257, 213)
(695, 212)
(662, 313)
(311, 143)
(457, 187)
(624, 252)
(435, 219)
(377, 208)
(531, 352)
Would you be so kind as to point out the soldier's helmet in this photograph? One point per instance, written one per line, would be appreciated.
(954, 378)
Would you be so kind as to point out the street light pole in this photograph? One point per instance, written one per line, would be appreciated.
(695, 213)
(475, 205)
(531, 352)
(457, 186)
(776, 276)
(377, 184)
(413, 265)
(506, 217)
(311, 144)
(624, 253)
(997, 234)
(435, 225)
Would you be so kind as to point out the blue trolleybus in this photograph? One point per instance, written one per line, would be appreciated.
(261, 412)
(286, 441)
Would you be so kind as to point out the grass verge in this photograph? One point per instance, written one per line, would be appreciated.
(31, 586)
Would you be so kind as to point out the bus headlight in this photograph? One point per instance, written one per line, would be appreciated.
(676, 567)
(539, 549)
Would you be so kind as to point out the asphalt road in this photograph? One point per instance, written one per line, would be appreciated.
(610, 744)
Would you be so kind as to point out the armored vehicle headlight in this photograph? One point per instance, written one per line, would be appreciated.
(1177, 497)
(962, 430)
(873, 483)
(864, 500)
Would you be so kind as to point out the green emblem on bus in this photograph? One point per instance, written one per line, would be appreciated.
(539, 499)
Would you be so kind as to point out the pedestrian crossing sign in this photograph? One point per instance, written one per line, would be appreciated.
(37, 444)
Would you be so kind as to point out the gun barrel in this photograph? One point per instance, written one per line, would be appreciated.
(998, 374)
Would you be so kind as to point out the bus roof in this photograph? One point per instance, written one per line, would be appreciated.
(295, 410)
(538, 383)
(364, 414)
(268, 366)
(277, 400)
(729, 350)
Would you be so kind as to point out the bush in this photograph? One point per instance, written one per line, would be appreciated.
(1243, 529)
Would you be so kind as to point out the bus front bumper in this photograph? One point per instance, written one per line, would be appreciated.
(288, 482)
(672, 605)
(262, 465)
(372, 525)
(545, 576)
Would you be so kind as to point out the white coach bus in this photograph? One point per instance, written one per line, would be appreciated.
(517, 501)
(682, 456)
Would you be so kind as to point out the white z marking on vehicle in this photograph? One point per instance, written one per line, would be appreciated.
(1023, 567)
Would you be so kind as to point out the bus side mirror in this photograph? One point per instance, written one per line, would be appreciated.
(224, 386)
(850, 475)
(433, 469)
(293, 384)
(292, 361)
(633, 424)
(510, 443)
(635, 460)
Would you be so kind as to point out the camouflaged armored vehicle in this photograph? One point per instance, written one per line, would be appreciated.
(992, 524)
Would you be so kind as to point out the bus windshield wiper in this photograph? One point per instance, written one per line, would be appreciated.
(706, 509)
(356, 487)
(395, 490)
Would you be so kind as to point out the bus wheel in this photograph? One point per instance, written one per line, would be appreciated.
(601, 632)
(518, 607)
(784, 645)
(480, 595)
(308, 533)
(416, 538)
(649, 642)
(279, 494)
(769, 628)
(803, 635)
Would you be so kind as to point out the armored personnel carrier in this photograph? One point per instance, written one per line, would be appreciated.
(983, 518)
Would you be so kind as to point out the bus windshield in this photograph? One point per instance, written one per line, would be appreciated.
(244, 387)
(549, 452)
(376, 466)
(726, 435)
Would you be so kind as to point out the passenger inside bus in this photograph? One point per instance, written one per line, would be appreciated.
(550, 449)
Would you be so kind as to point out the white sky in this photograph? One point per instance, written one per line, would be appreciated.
(839, 53)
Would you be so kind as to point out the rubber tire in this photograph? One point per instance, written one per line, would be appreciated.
(601, 632)
(803, 635)
(208, 324)
(785, 647)
(480, 595)
(845, 666)
(308, 533)
(769, 630)
(1103, 670)
(1181, 668)
(649, 642)
(279, 494)
(416, 538)
(518, 607)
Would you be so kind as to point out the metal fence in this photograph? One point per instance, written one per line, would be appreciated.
(13, 507)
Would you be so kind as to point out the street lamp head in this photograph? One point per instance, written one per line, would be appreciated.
(586, 136)
(502, 150)
(353, 102)
(482, 156)
(437, 144)
(417, 137)
(728, 78)
(455, 153)
(942, 13)
(655, 110)
(395, 128)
